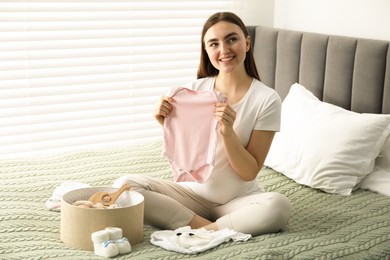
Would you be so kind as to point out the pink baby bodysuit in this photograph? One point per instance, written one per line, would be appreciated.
(190, 133)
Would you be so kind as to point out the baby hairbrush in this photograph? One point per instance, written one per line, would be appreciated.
(106, 198)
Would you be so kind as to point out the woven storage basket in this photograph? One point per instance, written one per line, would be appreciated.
(77, 224)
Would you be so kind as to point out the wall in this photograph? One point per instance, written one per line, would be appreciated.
(360, 18)
(256, 12)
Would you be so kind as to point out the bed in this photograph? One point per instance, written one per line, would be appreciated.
(348, 72)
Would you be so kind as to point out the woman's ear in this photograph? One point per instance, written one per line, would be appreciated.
(248, 43)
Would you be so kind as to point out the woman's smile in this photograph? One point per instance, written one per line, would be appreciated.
(227, 59)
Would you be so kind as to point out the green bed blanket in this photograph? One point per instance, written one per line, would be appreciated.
(323, 226)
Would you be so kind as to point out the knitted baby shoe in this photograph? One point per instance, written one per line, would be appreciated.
(102, 244)
(121, 242)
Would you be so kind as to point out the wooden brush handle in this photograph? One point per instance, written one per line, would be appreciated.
(115, 195)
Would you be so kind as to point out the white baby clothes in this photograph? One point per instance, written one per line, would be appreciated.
(191, 241)
(102, 244)
(121, 242)
(110, 242)
(54, 202)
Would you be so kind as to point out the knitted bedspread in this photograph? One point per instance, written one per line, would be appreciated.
(323, 226)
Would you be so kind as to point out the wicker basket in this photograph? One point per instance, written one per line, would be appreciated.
(77, 224)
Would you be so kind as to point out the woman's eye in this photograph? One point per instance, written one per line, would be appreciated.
(212, 45)
(232, 40)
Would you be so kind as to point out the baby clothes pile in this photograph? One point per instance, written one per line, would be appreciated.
(54, 202)
(110, 242)
(191, 241)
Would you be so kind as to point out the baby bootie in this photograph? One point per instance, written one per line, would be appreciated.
(102, 244)
(121, 242)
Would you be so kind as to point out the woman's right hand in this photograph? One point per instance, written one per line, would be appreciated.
(163, 109)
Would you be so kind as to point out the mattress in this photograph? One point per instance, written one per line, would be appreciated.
(323, 226)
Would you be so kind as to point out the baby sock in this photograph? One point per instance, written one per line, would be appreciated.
(121, 242)
(102, 244)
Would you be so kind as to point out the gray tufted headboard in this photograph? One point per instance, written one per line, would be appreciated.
(353, 73)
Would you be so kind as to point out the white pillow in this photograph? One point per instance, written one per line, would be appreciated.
(325, 146)
(379, 179)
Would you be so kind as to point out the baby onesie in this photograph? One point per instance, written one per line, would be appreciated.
(190, 134)
(192, 241)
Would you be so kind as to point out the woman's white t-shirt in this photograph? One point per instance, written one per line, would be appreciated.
(259, 109)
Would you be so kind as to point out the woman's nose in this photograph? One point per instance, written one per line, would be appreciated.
(225, 48)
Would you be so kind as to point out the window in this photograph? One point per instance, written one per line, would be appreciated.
(87, 74)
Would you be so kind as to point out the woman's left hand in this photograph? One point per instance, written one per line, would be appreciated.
(226, 116)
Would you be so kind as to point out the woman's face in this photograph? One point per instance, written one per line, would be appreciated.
(226, 46)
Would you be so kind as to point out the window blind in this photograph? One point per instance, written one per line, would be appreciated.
(86, 74)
